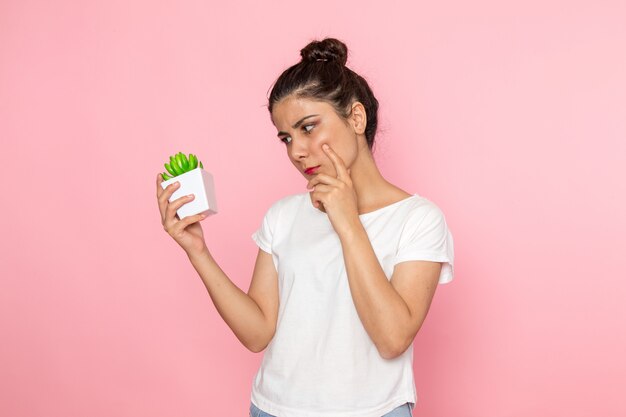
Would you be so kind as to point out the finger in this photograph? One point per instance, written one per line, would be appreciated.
(315, 197)
(340, 166)
(175, 205)
(180, 225)
(165, 196)
(320, 194)
(322, 190)
(322, 179)
(189, 220)
(158, 184)
(317, 201)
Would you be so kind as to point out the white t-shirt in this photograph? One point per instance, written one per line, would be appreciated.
(321, 361)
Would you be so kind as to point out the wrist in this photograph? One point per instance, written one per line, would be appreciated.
(196, 255)
(353, 231)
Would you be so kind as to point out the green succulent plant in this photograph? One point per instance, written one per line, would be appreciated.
(179, 164)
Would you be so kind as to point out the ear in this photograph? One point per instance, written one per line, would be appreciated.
(358, 118)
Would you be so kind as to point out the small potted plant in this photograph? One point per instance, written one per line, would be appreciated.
(193, 179)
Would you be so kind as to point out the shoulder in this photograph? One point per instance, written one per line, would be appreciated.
(423, 210)
(287, 203)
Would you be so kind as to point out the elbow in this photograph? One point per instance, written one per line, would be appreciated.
(398, 345)
(393, 350)
(391, 354)
(399, 340)
(260, 344)
(256, 348)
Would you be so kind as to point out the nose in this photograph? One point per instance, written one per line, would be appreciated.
(299, 148)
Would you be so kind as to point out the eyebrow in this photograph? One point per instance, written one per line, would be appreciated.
(298, 123)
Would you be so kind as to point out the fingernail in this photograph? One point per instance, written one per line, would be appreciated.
(325, 147)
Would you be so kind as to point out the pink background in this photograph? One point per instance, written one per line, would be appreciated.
(511, 116)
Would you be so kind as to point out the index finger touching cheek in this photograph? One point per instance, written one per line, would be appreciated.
(340, 166)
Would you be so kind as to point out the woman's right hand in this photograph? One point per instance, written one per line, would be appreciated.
(186, 232)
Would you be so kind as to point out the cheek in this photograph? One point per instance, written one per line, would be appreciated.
(333, 140)
(315, 144)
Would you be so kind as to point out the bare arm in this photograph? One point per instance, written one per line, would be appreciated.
(253, 320)
(393, 311)
(252, 317)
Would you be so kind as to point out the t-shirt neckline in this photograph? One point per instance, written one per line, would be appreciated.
(310, 203)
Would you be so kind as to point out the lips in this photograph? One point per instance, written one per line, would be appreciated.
(309, 171)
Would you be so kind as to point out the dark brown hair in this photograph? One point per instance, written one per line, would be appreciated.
(322, 75)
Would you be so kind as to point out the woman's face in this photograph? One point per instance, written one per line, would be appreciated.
(304, 125)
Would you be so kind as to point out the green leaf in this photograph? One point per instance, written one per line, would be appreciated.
(185, 162)
(174, 165)
(193, 161)
(169, 169)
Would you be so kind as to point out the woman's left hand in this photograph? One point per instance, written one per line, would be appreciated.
(337, 195)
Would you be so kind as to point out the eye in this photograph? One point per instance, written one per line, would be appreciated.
(284, 140)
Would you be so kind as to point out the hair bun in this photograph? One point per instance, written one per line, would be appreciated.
(329, 49)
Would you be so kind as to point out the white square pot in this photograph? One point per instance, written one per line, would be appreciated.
(199, 183)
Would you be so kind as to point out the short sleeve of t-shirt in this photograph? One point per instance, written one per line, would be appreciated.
(263, 235)
(426, 237)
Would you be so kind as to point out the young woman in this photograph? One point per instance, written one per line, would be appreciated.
(345, 273)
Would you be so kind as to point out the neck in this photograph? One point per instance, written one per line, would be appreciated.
(367, 181)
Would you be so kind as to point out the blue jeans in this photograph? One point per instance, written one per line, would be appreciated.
(403, 411)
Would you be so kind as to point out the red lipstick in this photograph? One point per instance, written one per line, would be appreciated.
(311, 170)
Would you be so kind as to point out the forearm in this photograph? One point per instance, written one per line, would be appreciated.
(380, 307)
(240, 312)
